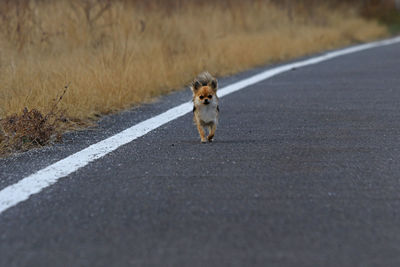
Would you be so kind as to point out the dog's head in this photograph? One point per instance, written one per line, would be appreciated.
(204, 89)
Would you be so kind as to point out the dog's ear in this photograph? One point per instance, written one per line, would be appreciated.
(214, 84)
(195, 85)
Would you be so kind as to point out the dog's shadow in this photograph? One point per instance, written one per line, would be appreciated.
(220, 141)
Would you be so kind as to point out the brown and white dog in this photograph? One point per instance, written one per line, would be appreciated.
(205, 105)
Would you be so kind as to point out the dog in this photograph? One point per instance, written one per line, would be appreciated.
(205, 105)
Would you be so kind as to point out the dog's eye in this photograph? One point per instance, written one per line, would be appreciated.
(201, 97)
(209, 96)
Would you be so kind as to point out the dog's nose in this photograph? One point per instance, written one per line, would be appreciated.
(206, 101)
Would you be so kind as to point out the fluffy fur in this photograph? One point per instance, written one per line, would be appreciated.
(205, 105)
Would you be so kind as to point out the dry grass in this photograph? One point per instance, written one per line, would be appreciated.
(117, 54)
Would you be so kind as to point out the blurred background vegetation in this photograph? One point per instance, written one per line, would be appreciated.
(115, 54)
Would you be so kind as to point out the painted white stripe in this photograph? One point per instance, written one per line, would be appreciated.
(36, 182)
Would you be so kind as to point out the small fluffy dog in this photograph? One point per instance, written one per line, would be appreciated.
(205, 105)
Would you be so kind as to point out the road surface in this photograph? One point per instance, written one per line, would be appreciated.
(304, 171)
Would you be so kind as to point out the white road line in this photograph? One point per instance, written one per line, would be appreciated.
(33, 184)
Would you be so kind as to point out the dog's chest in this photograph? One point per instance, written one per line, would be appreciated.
(208, 113)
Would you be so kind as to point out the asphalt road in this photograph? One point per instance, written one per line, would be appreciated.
(304, 171)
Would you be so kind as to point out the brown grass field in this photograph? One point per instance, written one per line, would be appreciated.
(116, 54)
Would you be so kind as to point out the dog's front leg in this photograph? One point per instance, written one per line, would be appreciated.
(210, 136)
(200, 129)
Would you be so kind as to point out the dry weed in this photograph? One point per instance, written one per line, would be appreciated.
(31, 128)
